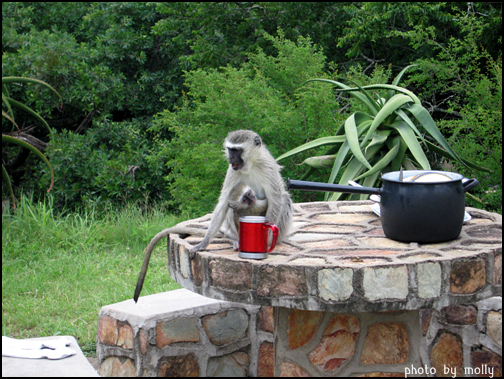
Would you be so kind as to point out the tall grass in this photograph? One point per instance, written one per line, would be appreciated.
(58, 271)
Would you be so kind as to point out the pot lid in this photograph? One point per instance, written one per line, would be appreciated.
(423, 176)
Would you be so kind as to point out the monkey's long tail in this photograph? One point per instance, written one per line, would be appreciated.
(148, 251)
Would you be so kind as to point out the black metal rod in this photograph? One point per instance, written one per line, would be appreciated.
(327, 187)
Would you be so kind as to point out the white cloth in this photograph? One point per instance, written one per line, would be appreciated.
(34, 349)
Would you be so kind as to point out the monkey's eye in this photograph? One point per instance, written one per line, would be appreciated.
(235, 151)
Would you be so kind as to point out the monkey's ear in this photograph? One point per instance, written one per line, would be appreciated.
(257, 141)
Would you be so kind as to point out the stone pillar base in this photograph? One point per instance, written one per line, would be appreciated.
(180, 333)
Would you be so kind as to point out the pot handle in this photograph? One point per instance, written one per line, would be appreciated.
(470, 183)
(327, 187)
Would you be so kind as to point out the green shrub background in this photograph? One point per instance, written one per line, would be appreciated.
(163, 83)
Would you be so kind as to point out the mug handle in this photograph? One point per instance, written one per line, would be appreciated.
(274, 230)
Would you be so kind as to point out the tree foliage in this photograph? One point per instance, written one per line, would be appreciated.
(105, 58)
(462, 86)
(263, 95)
(106, 167)
(122, 61)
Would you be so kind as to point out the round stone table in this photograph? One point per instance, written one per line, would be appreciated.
(347, 300)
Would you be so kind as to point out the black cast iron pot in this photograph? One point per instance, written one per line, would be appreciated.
(412, 211)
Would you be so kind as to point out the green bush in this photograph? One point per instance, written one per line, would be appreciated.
(119, 59)
(108, 165)
(462, 86)
(478, 136)
(58, 59)
(100, 56)
(264, 95)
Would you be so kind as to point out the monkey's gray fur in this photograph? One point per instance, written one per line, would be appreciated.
(251, 163)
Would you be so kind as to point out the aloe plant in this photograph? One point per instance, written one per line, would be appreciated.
(9, 115)
(385, 139)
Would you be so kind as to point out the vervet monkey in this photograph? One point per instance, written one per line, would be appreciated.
(251, 163)
(242, 202)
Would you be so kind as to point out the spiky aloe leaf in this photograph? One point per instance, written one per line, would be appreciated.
(445, 154)
(17, 79)
(414, 147)
(8, 101)
(366, 94)
(383, 162)
(404, 91)
(5, 101)
(333, 150)
(338, 162)
(379, 138)
(37, 152)
(398, 78)
(392, 105)
(409, 164)
(352, 170)
(425, 119)
(400, 113)
(351, 131)
(371, 104)
(8, 117)
(4, 90)
(369, 181)
(396, 163)
(342, 154)
(323, 161)
(30, 111)
(313, 144)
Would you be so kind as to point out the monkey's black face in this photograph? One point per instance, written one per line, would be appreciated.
(235, 158)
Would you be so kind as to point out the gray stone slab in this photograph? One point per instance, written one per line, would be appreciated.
(386, 282)
(429, 280)
(76, 365)
(335, 284)
(149, 309)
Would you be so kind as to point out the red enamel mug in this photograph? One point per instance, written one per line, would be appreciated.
(254, 235)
